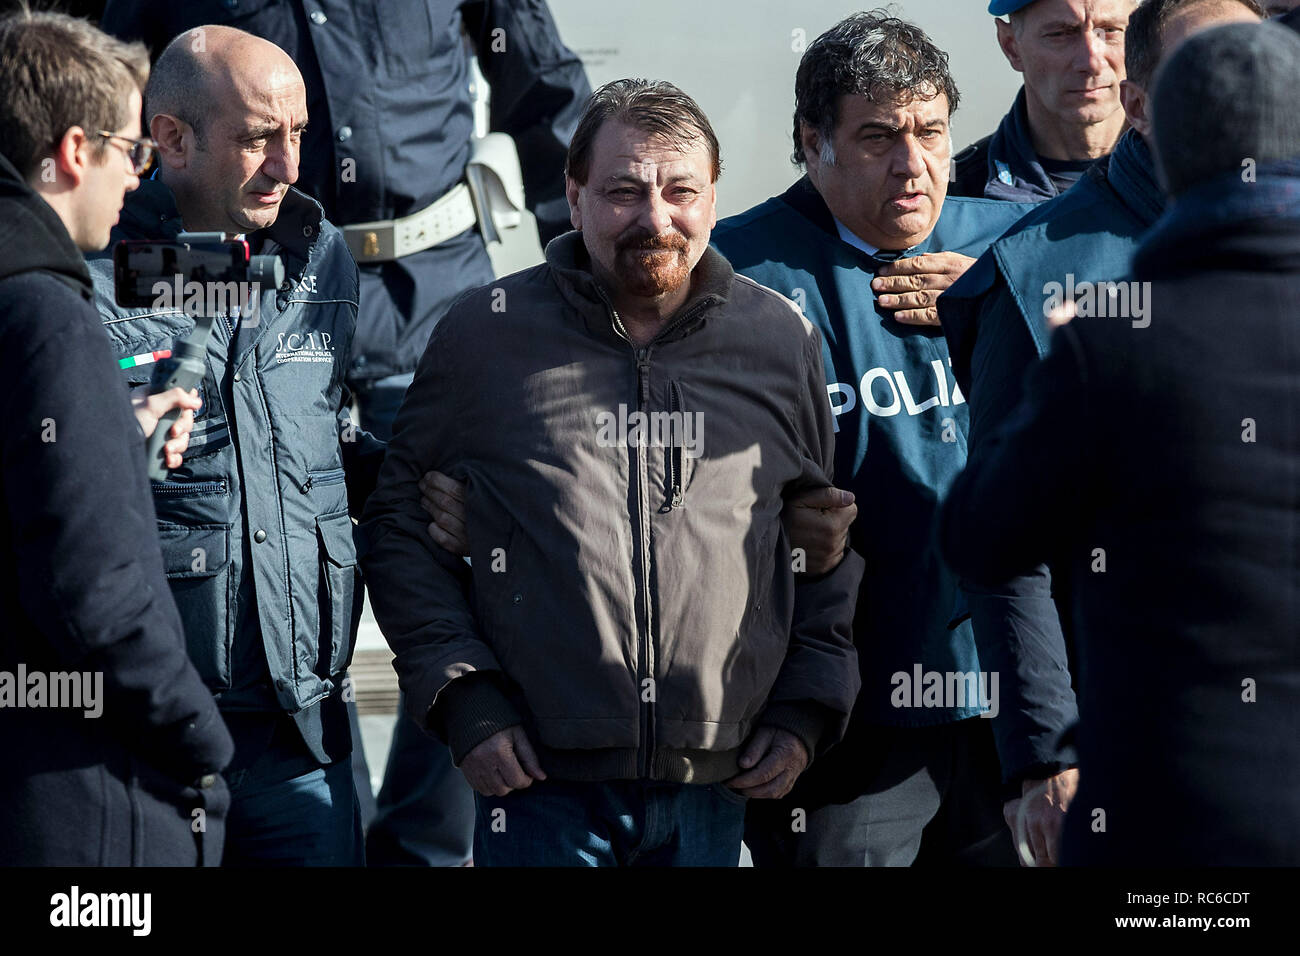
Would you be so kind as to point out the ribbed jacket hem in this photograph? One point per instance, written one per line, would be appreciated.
(472, 712)
(806, 721)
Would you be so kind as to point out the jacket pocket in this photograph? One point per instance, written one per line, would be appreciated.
(680, 440)
(179, 490)
(763, 564)
(319, 479)
(728, 795)
(341, 590)
(196, 561)
(328, 491)
(765, 640)
(407, 32)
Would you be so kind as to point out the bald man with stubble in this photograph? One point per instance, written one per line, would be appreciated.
(256, 525)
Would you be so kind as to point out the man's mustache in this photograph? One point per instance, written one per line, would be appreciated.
(642, 241)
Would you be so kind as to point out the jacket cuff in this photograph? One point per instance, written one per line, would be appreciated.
(805, 719)
(469, 710)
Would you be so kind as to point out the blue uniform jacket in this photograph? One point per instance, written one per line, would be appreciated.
(255, 527)
(994, 320)
(901, 423)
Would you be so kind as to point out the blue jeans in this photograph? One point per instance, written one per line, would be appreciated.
(312, 819)
(615, 823)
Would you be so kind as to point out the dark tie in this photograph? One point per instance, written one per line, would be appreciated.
(885, 256)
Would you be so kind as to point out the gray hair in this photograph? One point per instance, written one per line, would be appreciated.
(656, 107)
(867, 54)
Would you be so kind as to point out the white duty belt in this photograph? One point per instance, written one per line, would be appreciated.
(493, 197)
(388, 239)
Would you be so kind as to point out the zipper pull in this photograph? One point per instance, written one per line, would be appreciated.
(643, 377)
(307, 485)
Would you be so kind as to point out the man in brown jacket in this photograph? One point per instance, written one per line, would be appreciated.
(632, 652)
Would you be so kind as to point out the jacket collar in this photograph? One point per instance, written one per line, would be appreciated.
(570, 265)
(1014, 171)
(297, 229)
(804, 199)
(1228, 223)
(1130, 170)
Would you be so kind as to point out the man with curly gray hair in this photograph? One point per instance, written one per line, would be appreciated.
(864, 243)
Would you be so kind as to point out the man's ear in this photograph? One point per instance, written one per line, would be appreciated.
(1134, 99)
(811, 141)
(71, 158)
(1010, 46)
(174, 137)
(571, 193)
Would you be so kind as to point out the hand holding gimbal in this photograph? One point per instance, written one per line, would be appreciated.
(205, 274)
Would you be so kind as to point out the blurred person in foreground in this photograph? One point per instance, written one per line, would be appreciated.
(1159, 464)
(994, 318)
(110, 743)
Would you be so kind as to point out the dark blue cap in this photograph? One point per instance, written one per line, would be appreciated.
(1000, 8)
